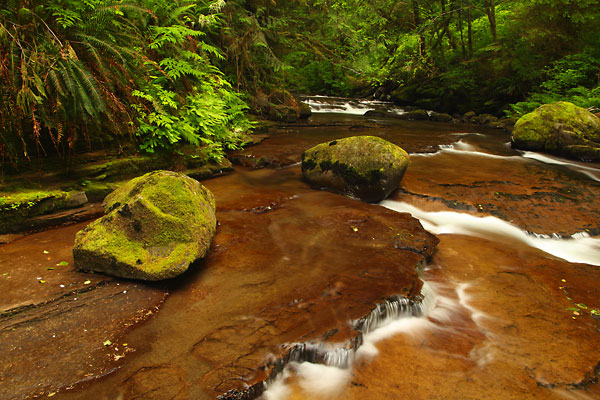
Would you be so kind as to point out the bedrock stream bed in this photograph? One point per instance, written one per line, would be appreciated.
(503, 308)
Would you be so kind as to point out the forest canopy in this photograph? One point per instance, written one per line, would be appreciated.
(87, 73)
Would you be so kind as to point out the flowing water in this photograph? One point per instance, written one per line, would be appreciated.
(500, 321)
(324, 289)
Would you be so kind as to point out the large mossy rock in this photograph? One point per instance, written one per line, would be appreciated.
(155, 226)
(560, 128)
(365, 167)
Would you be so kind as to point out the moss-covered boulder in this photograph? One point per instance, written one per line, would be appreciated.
(365, 167)
(560, 128)
(155, 226)
(283, 113)
(305, 111)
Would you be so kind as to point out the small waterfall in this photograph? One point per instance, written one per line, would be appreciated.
(314, 361)
(393, 308)
(319, 353)
(462, 148)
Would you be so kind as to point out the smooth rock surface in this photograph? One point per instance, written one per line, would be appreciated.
(55, 321)
(156, 225)
(366, 167)
(288, 264)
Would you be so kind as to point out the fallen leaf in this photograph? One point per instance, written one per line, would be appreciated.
(50, 269)
(62, 264)
(563, 280)
(46, 252)
(355, 229)
(107, 343)
(42, 281)
(87, 282)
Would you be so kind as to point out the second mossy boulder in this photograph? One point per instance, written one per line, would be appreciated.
(155, 226)
(559, 128)
(365, 167)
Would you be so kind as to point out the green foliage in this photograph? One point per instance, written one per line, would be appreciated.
(454, 55)
(573, 78)
(110, 70)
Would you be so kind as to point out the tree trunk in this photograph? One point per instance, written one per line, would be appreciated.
(460, 29)
(417, 23)
(446, 23)
(490, 10)
(469, 30)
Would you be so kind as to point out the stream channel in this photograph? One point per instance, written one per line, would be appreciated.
(311, 295)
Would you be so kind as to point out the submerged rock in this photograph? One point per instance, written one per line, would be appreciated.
(441, 117)
(155, 226)
(418, 115)
(380, 114)
(366, 167)
(560, 128)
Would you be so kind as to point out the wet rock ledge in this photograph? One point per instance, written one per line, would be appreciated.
(288, 265)
(301, 264)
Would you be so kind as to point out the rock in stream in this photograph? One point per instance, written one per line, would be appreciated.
(154, 227)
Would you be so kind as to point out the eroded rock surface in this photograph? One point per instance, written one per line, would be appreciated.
(511, 333)
(525, 192)
(155, 227)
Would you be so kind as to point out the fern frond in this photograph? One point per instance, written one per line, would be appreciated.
(176, 13)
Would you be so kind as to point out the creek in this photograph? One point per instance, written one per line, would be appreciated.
(505, 307)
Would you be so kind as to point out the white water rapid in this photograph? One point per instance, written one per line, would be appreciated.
(579, 248)
(323, 104)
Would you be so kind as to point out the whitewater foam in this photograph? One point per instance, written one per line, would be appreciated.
(326, 381)
(347, 106)
(579, 248)
(592, 172)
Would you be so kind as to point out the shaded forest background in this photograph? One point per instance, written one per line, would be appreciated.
(78, 74)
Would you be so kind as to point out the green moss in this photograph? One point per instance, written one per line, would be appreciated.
(27, 198)
(155, 226)
(367, 167)
(557, 127)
